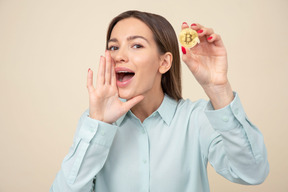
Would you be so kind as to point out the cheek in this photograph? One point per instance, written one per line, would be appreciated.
(147, 64)
(148, 74)
(113, 55)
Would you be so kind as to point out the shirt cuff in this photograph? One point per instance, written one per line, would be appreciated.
(226, 118)
(97, 132)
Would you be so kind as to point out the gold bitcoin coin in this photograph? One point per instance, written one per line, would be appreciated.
(188, 38)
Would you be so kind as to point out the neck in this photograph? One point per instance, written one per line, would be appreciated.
(148, 105)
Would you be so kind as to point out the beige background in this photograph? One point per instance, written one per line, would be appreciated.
(46, 47)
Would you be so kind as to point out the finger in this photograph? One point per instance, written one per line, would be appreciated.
(188, 60)
(196, 26)
(184, 25)
(90, 80)
(132, 102)
(216, 39)
(108, 68)
(101, 74)
(113, 74)
(205, 31)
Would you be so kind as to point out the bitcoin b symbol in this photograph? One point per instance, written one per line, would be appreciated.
(188, 38)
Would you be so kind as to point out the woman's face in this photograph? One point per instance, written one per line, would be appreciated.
(136, 58)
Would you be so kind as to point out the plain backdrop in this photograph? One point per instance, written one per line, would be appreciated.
(47, 46)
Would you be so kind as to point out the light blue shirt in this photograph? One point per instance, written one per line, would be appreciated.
(168, 152)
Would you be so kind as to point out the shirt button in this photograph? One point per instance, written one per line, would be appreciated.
(102, 133)
(144, 161)
(225, 118)
(143, 131)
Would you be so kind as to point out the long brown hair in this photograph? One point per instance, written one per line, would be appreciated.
(166, 40)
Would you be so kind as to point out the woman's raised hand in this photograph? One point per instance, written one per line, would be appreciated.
(104, 102)
(208, 63)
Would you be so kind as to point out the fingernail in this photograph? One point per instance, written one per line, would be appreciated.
(183, 50)
(200, 31)
(209, 38)
(193, 24)
(88, 69)
(184, 23)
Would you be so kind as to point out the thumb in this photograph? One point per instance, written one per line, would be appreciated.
(132, 102)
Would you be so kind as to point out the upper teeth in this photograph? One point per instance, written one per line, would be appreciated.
(123, 72)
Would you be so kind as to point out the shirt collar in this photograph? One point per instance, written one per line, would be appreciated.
(166, 110)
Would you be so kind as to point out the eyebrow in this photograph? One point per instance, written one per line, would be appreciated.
(130, 38)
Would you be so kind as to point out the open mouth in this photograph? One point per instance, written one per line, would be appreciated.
(124, 76)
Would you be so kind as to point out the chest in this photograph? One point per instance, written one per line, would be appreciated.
(154, 153)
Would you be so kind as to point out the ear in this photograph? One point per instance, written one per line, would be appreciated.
(165, 62)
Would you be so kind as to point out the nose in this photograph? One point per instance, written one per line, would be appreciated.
(120, 56)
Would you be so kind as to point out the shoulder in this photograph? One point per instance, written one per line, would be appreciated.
(190, 112)
(192, 106)
(193, 112)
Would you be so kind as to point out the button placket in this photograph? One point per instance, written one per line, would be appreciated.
(145, 157)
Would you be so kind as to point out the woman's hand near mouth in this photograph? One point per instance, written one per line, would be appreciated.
(104, 102)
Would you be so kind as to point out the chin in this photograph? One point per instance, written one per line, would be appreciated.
(125, 95)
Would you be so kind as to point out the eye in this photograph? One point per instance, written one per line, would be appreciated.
(112, 48)
(137, 46)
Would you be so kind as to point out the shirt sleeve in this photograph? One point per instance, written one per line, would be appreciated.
(86, 156)
(234, 147)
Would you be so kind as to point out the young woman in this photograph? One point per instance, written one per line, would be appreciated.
(155, 140)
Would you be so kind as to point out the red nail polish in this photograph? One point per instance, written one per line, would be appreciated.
(183, 50)
(193, 24)
(184, 23)
(209, 38)
(200, 31)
